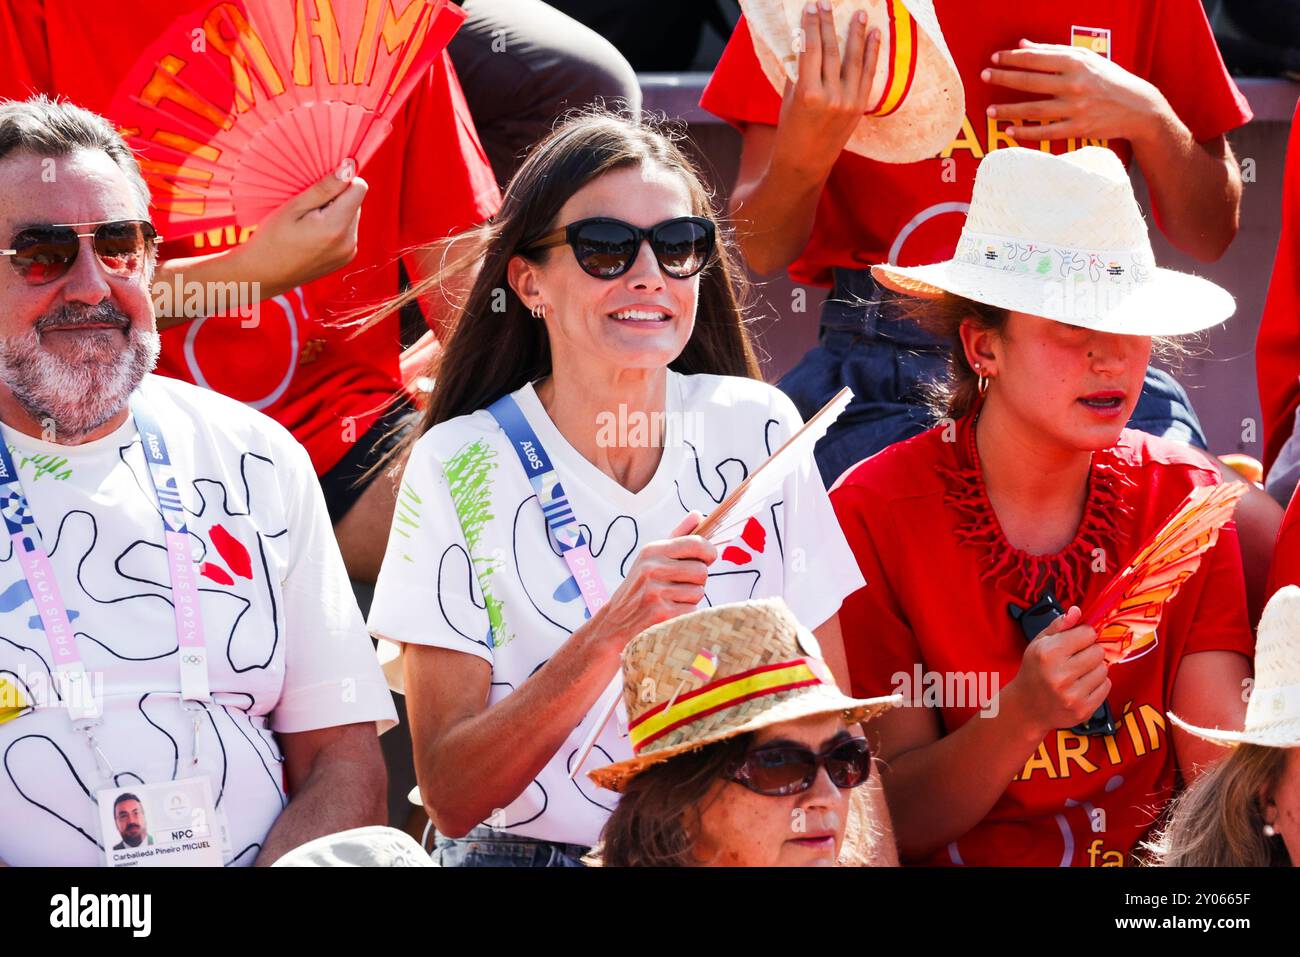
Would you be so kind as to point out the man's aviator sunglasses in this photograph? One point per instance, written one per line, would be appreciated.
(42, 254)
(607, 248)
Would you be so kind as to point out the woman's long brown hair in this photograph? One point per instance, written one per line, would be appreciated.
(493, 345)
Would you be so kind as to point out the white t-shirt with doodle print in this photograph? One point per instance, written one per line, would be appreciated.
(287, 644)
(470, 565)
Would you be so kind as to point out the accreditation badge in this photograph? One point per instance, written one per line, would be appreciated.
(1096, 39)
(169, 824)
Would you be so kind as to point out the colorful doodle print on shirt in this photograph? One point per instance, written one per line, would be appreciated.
(469, 480)
(110, 574)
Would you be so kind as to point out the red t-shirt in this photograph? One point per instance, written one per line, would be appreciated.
(1285, 569)
(910, 214)
(428, 180)
(1277, 344)
(939, 577)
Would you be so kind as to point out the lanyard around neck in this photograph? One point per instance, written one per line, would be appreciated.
(83, 707)
(560, 518)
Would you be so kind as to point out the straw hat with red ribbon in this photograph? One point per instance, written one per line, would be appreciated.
(719, 672)
(1273, 712)
(920, 101)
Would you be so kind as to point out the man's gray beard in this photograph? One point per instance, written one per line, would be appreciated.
(74, 396)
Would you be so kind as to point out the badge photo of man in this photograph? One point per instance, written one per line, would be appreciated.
(128, 815)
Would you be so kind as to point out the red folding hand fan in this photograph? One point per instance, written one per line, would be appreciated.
(1128, 610)
(243, 104)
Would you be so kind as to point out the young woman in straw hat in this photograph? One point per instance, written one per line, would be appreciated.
(745, 753)
(599, 366)
(1031, 488)
(831, 182)
(1245, 812)
(828, 186)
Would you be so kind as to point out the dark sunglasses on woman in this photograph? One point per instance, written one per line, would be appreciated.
(780, 770)
(606, 248)
(42, 254)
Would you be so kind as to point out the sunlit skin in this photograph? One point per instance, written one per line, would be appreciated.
(580, 307)
(1057, 393)
(601, 362)
(1282, 810)
(740, 828)
(130, 822)
(84, 186)
(1045, 373)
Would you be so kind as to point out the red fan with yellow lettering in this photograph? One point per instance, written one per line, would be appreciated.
(1128, 610)
(243, 104)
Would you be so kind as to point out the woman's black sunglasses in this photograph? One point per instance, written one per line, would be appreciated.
(607, 248)
(784, 769)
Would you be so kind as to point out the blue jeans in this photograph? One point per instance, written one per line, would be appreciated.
(889, 361)
(486, 847)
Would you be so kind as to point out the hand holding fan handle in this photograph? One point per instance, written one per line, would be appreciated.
(663, 574)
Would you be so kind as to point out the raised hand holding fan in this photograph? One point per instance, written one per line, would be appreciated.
(242, 106)
(721, 525)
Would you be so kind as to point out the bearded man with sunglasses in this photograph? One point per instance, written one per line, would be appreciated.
(175, 618)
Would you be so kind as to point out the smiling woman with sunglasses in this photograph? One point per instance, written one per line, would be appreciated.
(596, 394)
(753, 761)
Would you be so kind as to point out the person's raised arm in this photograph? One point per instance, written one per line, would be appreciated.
(784, 167)
(1195, 187)
(471, 759)
(310, 236)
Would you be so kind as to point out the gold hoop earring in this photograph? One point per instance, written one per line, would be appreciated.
(983, 384)
(539, 311)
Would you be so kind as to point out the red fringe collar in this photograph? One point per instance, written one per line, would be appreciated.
(1106, 520)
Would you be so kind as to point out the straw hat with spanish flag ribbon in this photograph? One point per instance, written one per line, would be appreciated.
(921, 99)
(719, 672)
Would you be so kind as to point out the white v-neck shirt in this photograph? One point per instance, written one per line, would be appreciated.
(490, 582)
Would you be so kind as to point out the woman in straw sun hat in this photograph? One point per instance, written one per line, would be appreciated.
(1029, 490)
(839, 170)
(745, 753)
(823, 192)
(1245, 812)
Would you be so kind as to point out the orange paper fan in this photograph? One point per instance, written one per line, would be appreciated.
(1127, 612)
(240, 106)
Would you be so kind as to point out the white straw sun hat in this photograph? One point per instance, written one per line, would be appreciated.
(919, 100)
(1273, 712)
(1062, 237)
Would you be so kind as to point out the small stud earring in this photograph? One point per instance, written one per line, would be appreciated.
(1269, 830)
